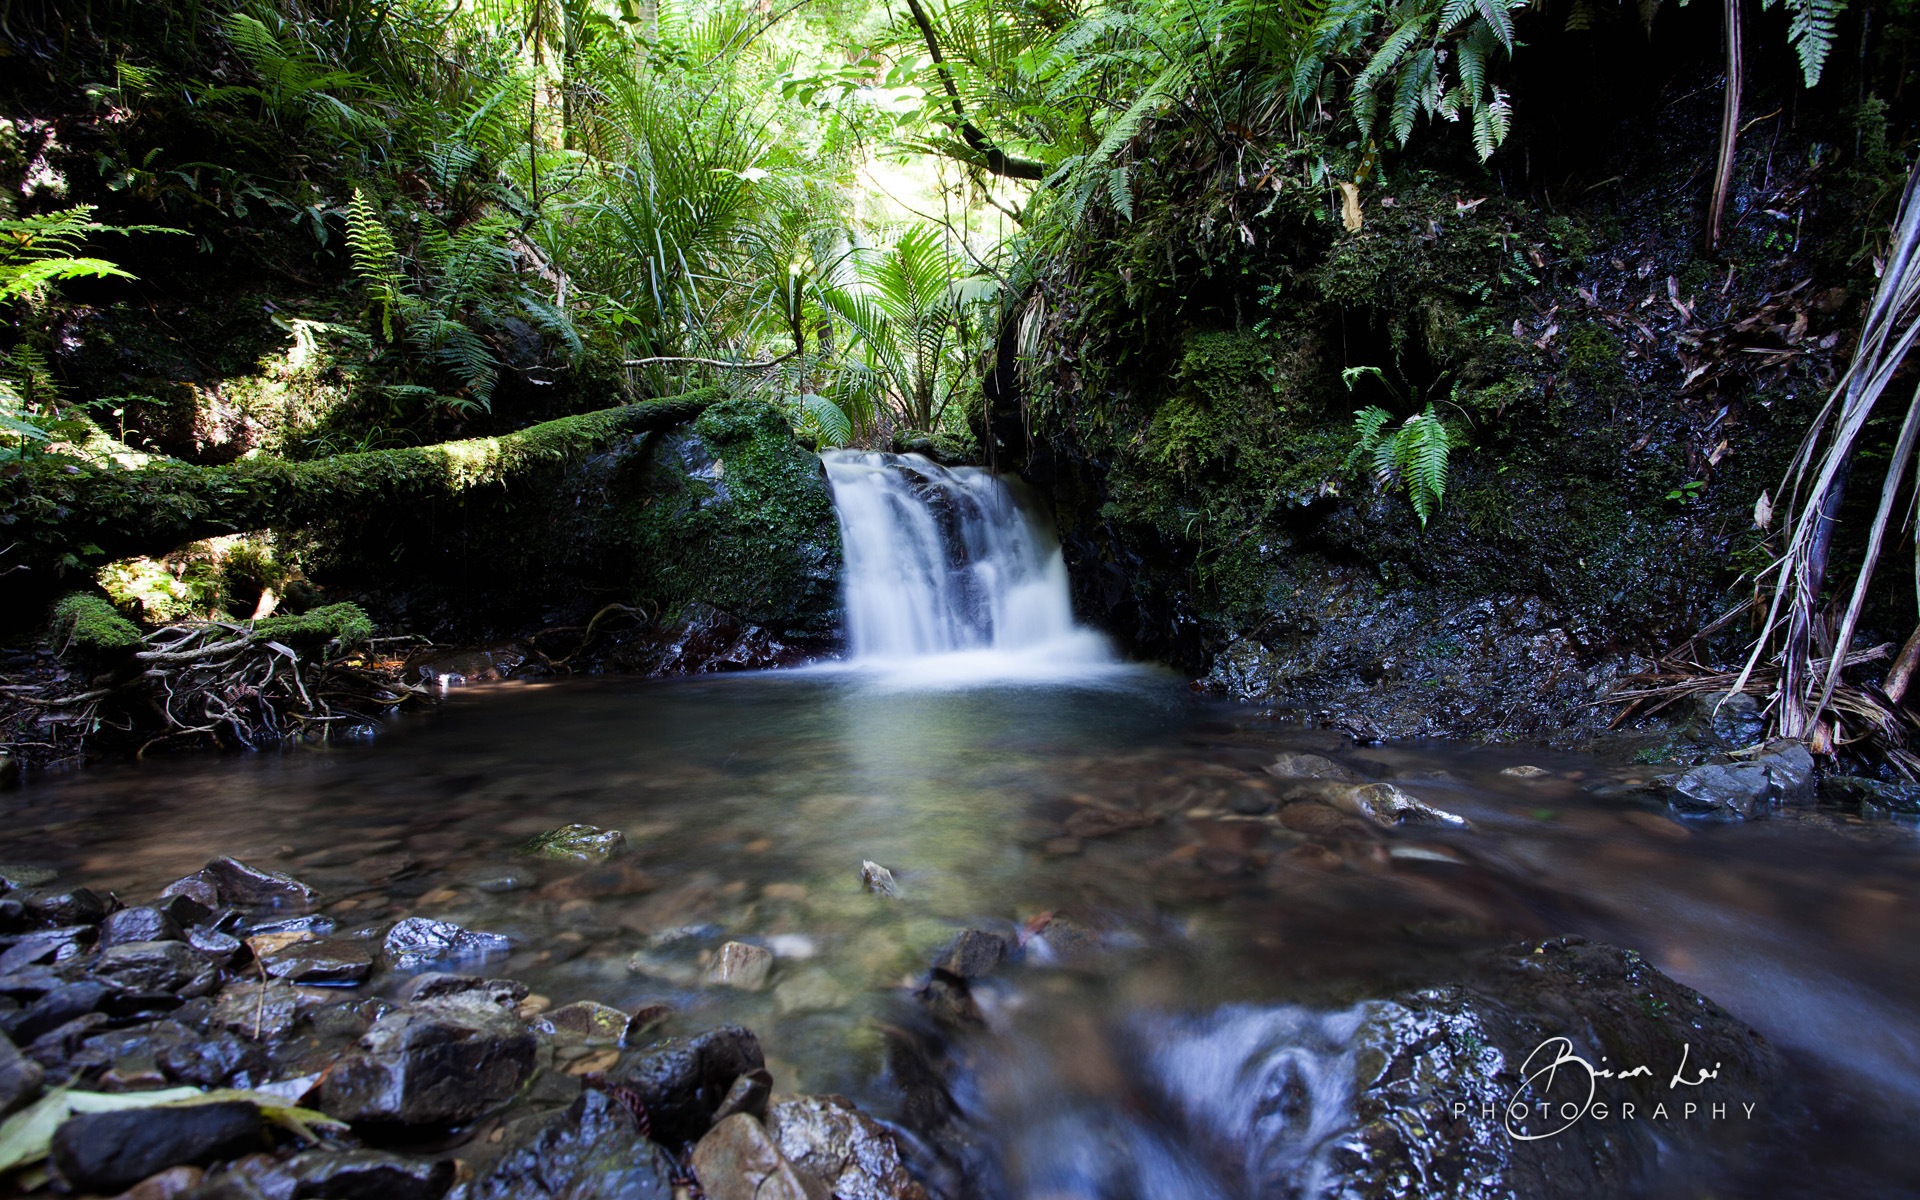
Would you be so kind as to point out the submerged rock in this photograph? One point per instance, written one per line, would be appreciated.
(416, 941)
(1871, 794)
(1293, 764)
(738, 1160)
(105, 1152)
(831, 1140)
(592, 1151)
(438, 1062)
(739, 965)
(682, 1084)
(242, 886)
(1388, 806)
(579, 843)
(878, 880)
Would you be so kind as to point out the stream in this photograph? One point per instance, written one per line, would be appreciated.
(1184, 947)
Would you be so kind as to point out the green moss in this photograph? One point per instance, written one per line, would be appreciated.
(92, 622)
(345, 624)
(738, 517)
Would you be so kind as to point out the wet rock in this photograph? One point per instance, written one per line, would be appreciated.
(878, 880)
(55, 1009)
(1309, 817)
(183, 910)
(593, 1151)
(857, 1157)
(77, 907)
(437, 1062)
(150, 966)
(138, 925)
(106, 1152)
(46, 946)
(1388, 806)
(1730, 719)
(13, 916)
(1782, 773)
(19, 1078)
(975, 952)
(502, 879)
(243, 886)
(329, 962)
(749, 1094)
(682, 1084)
(312, 924)
(1294, 764)
(216, 947)
(739, 965)
(587, 1021)
(367, 1175)
(738, 1160)
(579, 843)
(218, 1060)
(433, 985)
(417, 940)
(1871, 794)
(197, 887)
(261, 1011)
(1526, 772)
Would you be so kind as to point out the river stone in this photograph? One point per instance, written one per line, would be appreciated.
(197, 887)
(417, 940)
(857, 1157)
(19, 1078)
(169, 1184)
(13, 916)
(737, 1160)
(1294, 764)
(1388, 806)
(739, 965)
(1781, 774)
(81, 906)
(367, 1175)
(243, 886)
(149, 966)
(587, 1021)
(749, 1094)
(329, 962)
(579, 843)
(138, 925)
(1526, 771)
(974, 953)
(437, 1062)
(106, 1152)
(263, 1011)
(55, 1009)
(592, 1151)
(45, 946)
(434, 985)
(682, 1084)
(217, 947)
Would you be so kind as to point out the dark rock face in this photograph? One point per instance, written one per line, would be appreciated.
(417, 941)
(593, 1150)
(138, 925)
(106, 1152)
(19, 1078)
(1742, 790)
(438, 1062)
(682, 1084)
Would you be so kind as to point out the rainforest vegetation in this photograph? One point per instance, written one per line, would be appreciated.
(380, 312)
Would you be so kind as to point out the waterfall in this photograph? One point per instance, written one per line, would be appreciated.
(947, 562)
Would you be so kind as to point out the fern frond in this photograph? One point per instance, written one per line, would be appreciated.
(375, 260)
(1811, 30)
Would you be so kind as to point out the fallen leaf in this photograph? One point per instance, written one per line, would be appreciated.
(1350, 207)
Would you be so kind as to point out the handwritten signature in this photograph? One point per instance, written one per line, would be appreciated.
(1545, 1067)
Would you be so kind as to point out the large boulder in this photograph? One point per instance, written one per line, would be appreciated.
(436, 1062)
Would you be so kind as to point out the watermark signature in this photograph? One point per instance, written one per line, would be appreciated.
(1558, 1089)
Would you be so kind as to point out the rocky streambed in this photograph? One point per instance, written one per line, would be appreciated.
(805, 936)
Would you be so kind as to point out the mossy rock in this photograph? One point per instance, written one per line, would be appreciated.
(93, 623)
(578, 843)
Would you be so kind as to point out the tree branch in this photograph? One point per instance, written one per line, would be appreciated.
(991, 156)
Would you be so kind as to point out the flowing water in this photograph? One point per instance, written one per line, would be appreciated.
(1191, 965)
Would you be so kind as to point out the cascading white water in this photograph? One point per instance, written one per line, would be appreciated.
(946, 561)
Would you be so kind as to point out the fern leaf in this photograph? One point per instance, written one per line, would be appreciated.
(1119, 193)
(1499, 19)
(1811, 30)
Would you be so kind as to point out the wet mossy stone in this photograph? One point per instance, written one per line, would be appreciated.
(735, 514)
(578, 843)
(92, 622)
